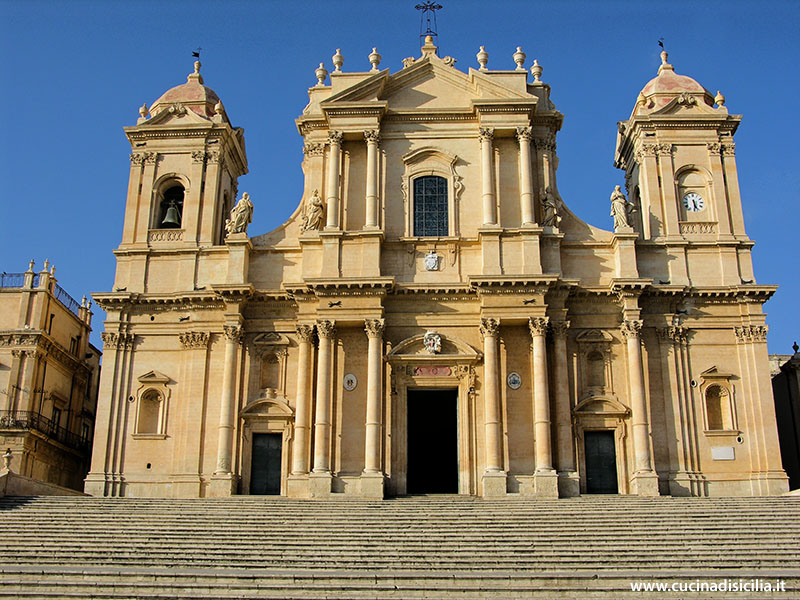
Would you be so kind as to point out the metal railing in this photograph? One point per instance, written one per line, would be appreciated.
(12, 280)
(68, 301)
(27, 420)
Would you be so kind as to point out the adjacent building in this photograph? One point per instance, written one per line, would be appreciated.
(433, 318)
(49, 376)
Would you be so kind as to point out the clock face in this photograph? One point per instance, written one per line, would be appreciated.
(693, 202)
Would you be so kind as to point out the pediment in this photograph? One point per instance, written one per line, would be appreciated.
(715, 373)
(270, 338)
(686, 104)
(429, 83)
(154, 377)
(267, 407)
(594, 336)
(176, 114)
(451, 348)
(602, 405)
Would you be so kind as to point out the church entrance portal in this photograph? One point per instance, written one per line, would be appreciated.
(601, 462)
(265, 472)
(432, 442)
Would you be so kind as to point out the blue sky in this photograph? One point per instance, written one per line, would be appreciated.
(72, 74)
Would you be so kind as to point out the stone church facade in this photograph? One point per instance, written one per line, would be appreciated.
(433, 318)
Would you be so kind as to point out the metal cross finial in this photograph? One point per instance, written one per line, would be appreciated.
(428, 8)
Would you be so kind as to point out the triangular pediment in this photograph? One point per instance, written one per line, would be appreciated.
(154, 377)
(715, 373)
(428, 83)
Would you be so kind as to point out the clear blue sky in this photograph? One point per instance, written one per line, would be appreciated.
(72, 74)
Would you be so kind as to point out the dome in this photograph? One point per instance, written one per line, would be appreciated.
(192, 94)
(668, 85)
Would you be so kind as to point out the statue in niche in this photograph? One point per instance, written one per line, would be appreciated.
(621, 209)
(312, 213)
(550, 209)
(241, 216)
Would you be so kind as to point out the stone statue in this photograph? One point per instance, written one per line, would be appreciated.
(621, 209)
(241, 216)
(550, 209)
(312, 213)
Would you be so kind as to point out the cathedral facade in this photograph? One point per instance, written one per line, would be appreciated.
(433, 318)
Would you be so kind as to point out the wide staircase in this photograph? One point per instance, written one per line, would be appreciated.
(413, 547)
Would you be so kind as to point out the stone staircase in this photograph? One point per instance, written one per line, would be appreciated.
(414, 547)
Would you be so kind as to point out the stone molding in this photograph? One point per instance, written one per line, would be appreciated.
(751, 333)
(675, 334)
(117, 340)
(313, 149)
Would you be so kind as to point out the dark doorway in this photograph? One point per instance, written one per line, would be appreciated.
(265, 470)
(432, 466)
(601, 462)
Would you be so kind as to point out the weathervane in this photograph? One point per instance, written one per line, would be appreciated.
(428, 8)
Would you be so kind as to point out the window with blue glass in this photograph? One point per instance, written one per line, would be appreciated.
(430, 206)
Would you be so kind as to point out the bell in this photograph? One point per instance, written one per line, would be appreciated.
(172, 218)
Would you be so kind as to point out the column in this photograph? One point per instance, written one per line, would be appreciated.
(322, 423)
(372, 138)
(372, 479)
(490, 329)
(302, 421)
(525, 178)
(646, 481)
(233, 337)
(335, 143)
(568, 481)
(486, 135)
(545, 479)
(494, 478)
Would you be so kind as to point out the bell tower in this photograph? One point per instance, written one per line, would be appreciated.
(677, 151)
(185, 162)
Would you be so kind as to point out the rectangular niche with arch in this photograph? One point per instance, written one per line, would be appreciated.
(718, 400)
(269, 352)
(152, 401)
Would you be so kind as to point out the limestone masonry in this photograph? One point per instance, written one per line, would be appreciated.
(433, 318)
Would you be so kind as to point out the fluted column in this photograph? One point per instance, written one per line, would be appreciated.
(372, 454)
(643, 475)
(490, 329)
(302, 422)
(372, 138)
(525, 177)
(335, 142)
(322, 422)
(233, 338)
(541, 397)
(486, 135)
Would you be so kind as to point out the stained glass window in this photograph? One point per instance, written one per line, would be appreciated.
(430, 206)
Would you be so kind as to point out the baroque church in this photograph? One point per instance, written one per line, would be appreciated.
(433, 318)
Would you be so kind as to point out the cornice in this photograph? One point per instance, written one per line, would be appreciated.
(36, 341)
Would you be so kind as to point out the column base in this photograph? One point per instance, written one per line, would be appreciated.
(645, 483)
(297, 486)
(494, 484)
(320, 485)
(222, 485)
(569, 484)
(95, 485)
(372, 485)
(545, 484)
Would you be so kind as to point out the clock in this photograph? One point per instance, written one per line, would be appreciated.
(693, 202)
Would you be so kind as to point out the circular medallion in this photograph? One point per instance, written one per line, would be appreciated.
(514, 381)
(350, 382)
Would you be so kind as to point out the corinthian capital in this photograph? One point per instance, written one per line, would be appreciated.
(489, 327)
(538, 325)
(305, 333)
(233, 333)
(326, 329)
(524, 134)
(335, 137)
(631, 328)
(372, 136)
(194, 339)
(486, 134)
(374, 327)
(560, 329)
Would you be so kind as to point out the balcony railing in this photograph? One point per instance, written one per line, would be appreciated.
(68, 301)
(26, 420)
(15, 280)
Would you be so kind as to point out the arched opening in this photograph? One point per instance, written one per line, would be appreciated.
(718, 413)
(430, 206)
(170, 214)
(150, 405)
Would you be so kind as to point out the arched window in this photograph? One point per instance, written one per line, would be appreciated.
(170, 213)
(150, 407)
(430, 206)
(718, 409)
